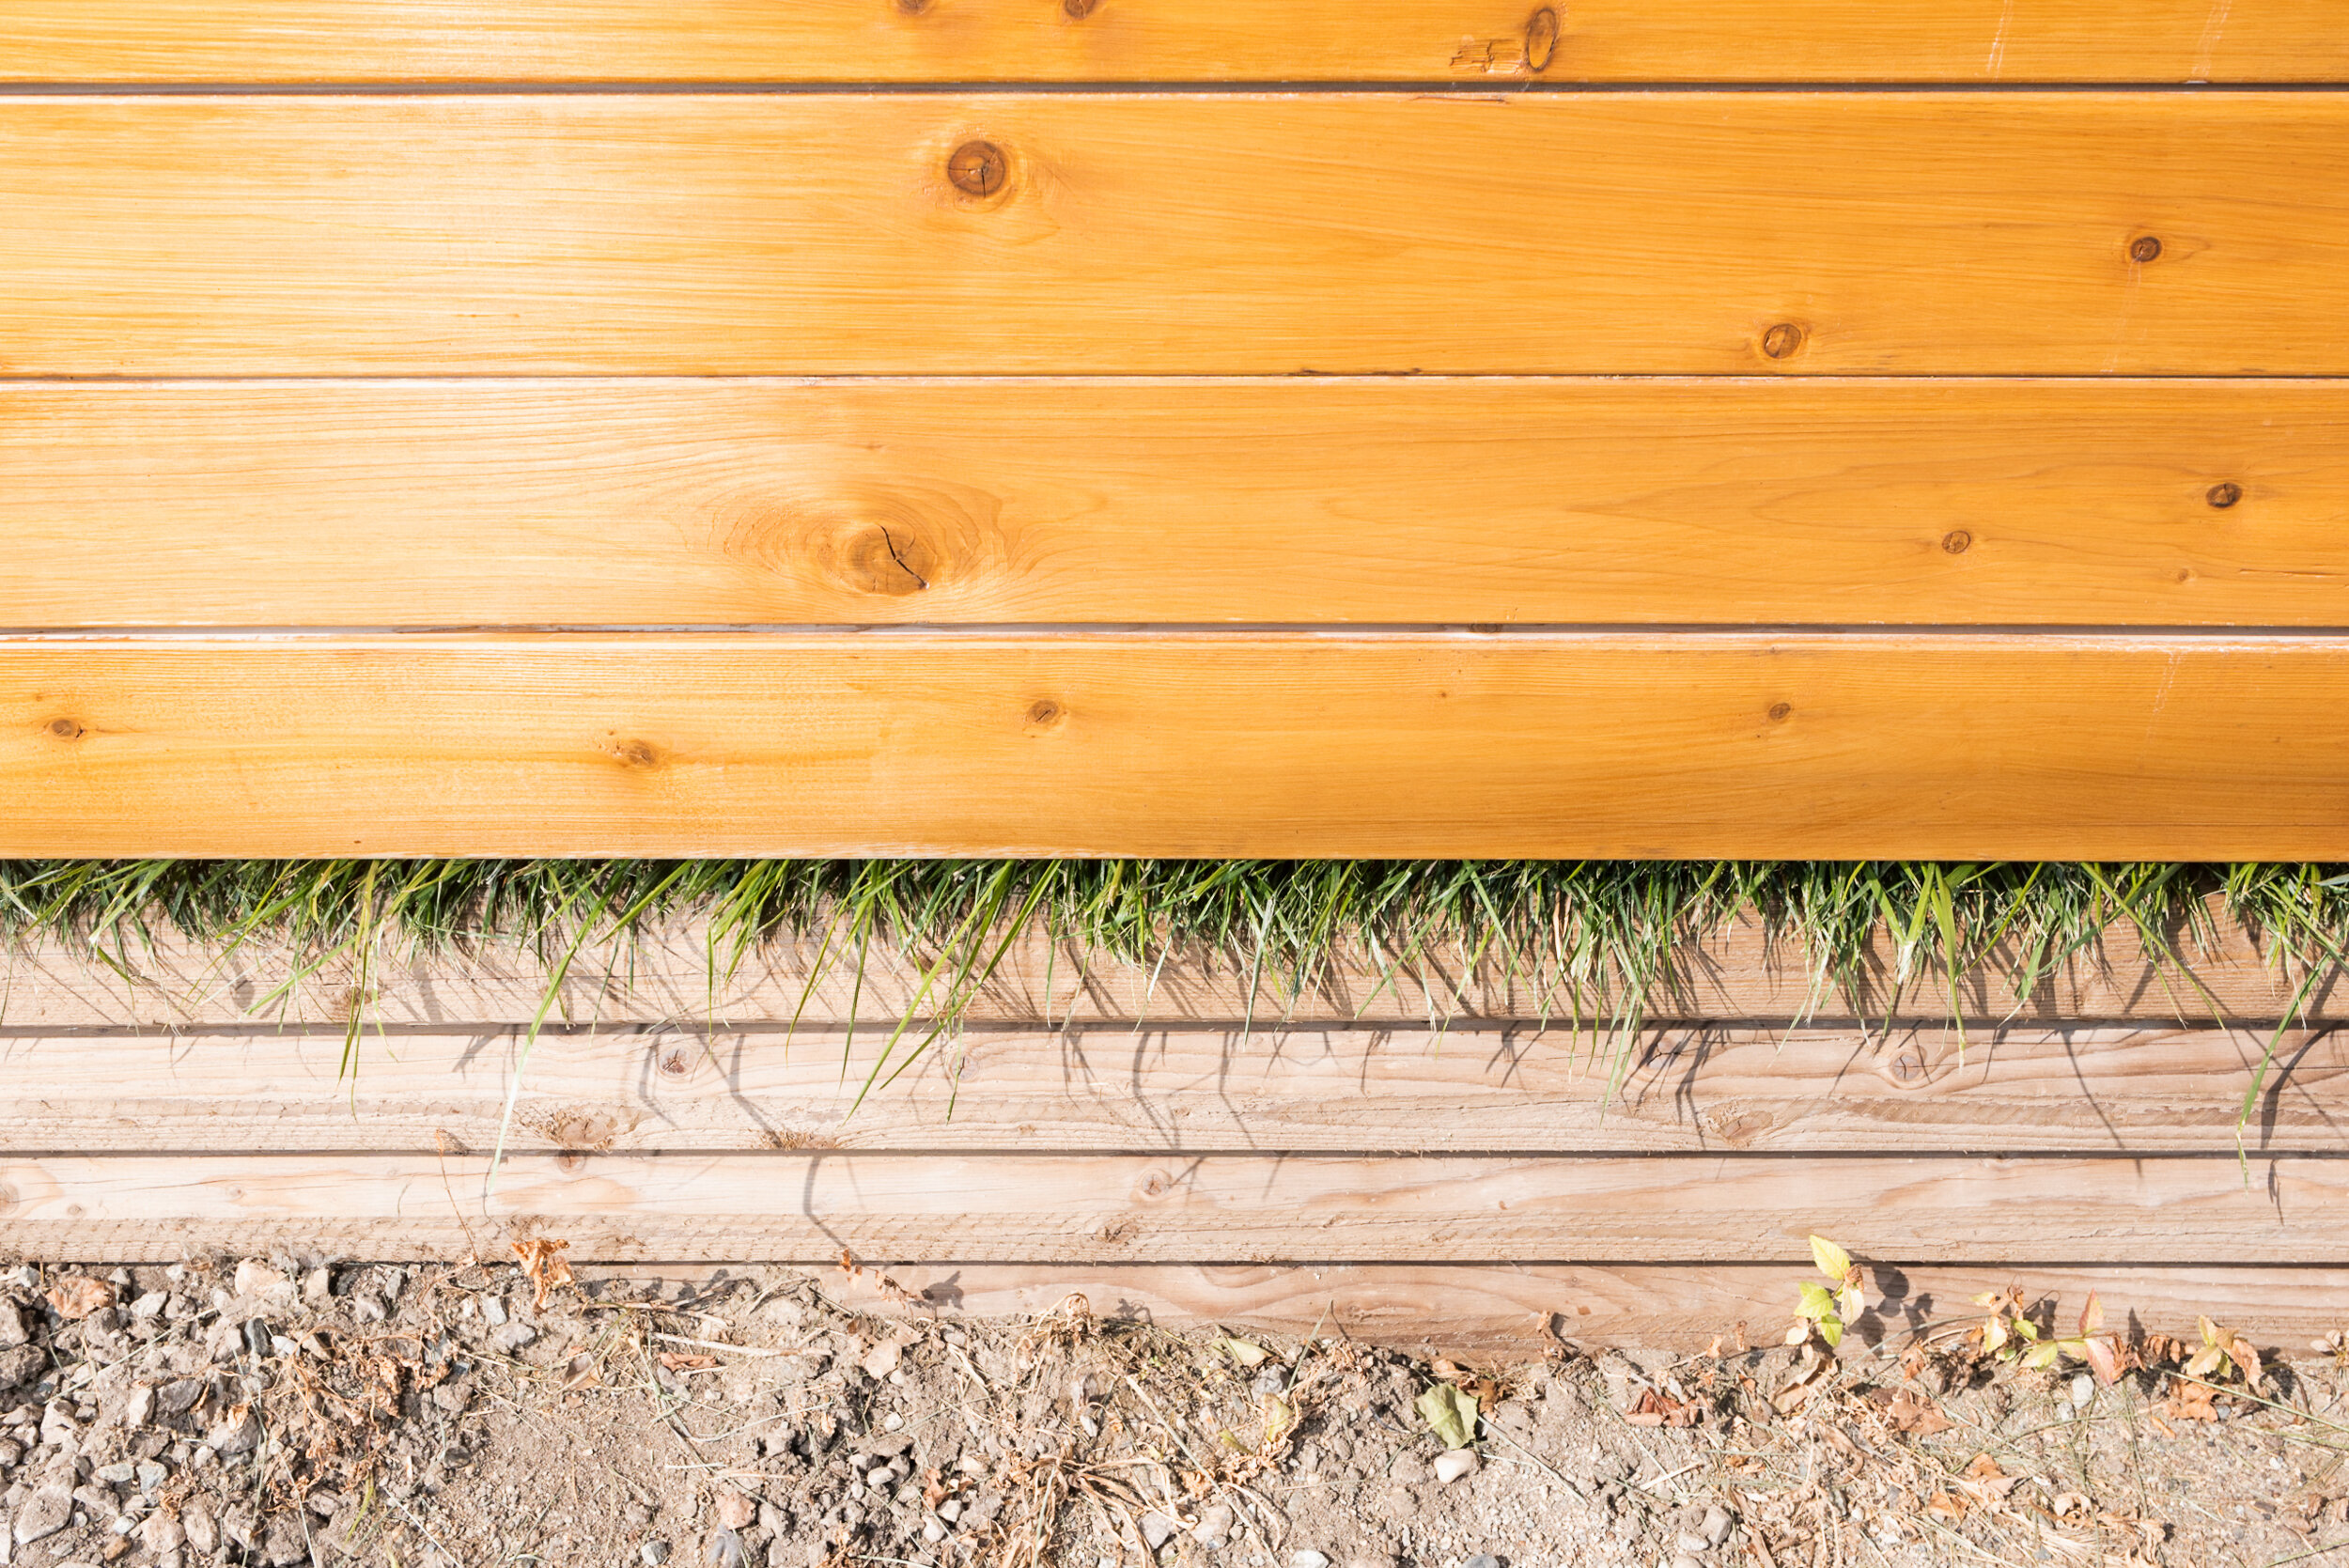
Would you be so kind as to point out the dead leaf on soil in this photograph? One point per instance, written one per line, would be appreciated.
(1984, 1481)
(677, 1361)
(1903, 1411)
(1249, 1355)
(1656, 1409)
(544, 1267)
(77, 1295)
(2190, 1401)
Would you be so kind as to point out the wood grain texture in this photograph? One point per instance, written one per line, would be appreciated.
(1184, 1208)
(165, 982)
(1839, 746)
(1202, 40)
(1523, 1309)
(1908, 233)
(458, 502)
(1464, 1090)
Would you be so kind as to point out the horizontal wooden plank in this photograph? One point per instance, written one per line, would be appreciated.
(1464, 1090)
(461, 503)
(1856, 745)
(1185, 1208)
(164, 981)
(1719, 233)
(1202, 40)
(1502, 1310)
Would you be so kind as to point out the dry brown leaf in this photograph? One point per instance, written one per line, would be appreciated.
(1656, 1409)
(1909, 1414)
(1946, 1505)
(544, 1267)
(677, 1360)
(77, 1295)
(1984, 1481)
(2190, 1401)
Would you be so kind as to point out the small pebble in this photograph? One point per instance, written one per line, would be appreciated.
(1308, 1559)
(1157, 1529)
(1482, 1559)
(892, 1422)
(1451, 1467)
(655, 1553)
(1718, 1522)
(494, 1308)
(1690, 1541)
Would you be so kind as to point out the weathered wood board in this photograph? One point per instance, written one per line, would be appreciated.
(613, 503)
(666, 975)
(1478, 42)
(1525, 1310)
(1795, 233)
(1464, 1090)
(1077, 1208)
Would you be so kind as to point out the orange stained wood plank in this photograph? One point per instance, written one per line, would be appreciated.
(1857, 745)
(1744, 232)
(1103, 40)
(459, 502)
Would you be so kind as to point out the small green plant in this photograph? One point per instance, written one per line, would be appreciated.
(2007, 1333)
(2222, 1349)
(1826, 1310)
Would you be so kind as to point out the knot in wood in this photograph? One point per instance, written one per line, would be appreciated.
(978, 168)
(2224, 494)
(675, 1063)
(1779, 711)
(67, 729)
(1957, 541)
(1782, 341)
(1079, 10)
(2144, 248)
(1541, 39)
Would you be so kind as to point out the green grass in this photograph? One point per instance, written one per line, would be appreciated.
(1592, 937)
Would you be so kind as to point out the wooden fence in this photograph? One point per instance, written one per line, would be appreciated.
(1180, 428)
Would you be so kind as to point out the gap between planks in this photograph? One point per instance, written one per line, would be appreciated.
(1466, 1091)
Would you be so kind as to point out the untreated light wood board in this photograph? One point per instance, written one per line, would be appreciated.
(1401, 1091)
(1526, 1309)
(665, 503)
(1911, 233)
(1858, 746)
(1185, 1208)
(164, 981)
(1153, 40)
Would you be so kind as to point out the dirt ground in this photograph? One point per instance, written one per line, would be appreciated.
(287, 1411)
